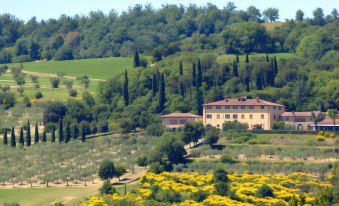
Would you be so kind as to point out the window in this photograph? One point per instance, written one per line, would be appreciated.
(227, 116)
(235, 116)
(218, 125)
(235, 107)
(173, 121)
(209, 107)
(218, 116)
(251, 107)
(262, 107)
(182, 121)
(279, 108)
(242, 116)
(274, 116)
(287, 119)
(262, 116)
(243, 107)
(218, 107)
(227, 107)
(251, 116)
(274, 107)
(209, 116)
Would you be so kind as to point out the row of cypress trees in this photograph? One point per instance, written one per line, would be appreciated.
(62, 137)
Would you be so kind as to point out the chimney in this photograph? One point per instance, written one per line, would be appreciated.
(226, 99)
(258, 99)
(239, 99)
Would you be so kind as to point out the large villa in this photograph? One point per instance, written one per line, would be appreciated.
(257, 113)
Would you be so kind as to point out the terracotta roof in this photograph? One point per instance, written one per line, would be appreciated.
(243, 102)
(328, 122)
(181, 115)
(300, 114)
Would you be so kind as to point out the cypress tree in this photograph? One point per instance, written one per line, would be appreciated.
(61, 131)
(13, 141)
(237, 58)
(154, 85)
(199, 77)
(36, 134)
(75, 132)
(275, 66)
(267, 58)
(28, 134)
(199, 100)
(5, 137)
(181, 72)
(53, 134)
(126, 97)
(44, 136)
(136, 60)
(194, 78)
(162, 96)
(21, 137)
(68, 133)
(235, 69)
(83, 133)
(247, 60)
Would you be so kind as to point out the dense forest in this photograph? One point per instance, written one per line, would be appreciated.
(166, 31)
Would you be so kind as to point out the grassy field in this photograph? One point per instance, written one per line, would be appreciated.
(71, 196)
(100, 68)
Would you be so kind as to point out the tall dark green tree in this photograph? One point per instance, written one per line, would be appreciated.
(13, 140)
(28, 134)
(199, 75)
(182, 87)
(275, 66)
(194, 75)
(61, 131)
(237, 58)
(126, 96)
(162, 96)
(44, 137)
(136, 60)
(247, 60)
(235, 72)
(68, 133)
(199, 100)
(21, 137)
(154, 85)
(5, 137)
(53, 134)
(83, 133)
(36, 134)
(267, 58)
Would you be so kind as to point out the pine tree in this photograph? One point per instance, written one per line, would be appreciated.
(235, 72)
(83, 133)
(44, 136)
(162, 96)
(13, 141)
(21, 137)
(36, 134)
(237, 58)
(267, 58)
(126, 97)
(199, 100)
(28, 135)
(61, 131)
(194, 75)
(75, 131)
(181, 72)
(68, 133)
(199, 77)
(5, 137)
(154, 85)
(136, 60)
(247, 59)
(53, 134)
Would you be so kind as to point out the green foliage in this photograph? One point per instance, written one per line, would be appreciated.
(211, 136)
(54, 82)
(264, 191)
(107, 188)
(168, 196)
(106, 170)
(155, 129)
(235, 125)
(227, 159)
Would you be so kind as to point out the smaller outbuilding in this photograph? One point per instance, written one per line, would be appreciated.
(326, 125)
(301, 120)
(175, 120)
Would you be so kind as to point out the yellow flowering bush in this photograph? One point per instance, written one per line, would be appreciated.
(242, 186)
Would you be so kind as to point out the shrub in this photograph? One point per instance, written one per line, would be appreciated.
(155, 129)
(327, 134)
(54, 82)
(107, 188)
(227, 159)
(168, 196)
(38, 95)
(68, 84)
(5, 88)
(264, 191)
(73, 93)
(320, 138)
(321, 133)
(20, 90)
(332, 135)
(27, 101)
(234, 125)
(199, 196)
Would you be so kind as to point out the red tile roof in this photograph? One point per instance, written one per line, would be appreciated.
(243, 102)
(181, 115)
(300, 114)
(328, 122)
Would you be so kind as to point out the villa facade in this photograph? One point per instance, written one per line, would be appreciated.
(175, 120)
